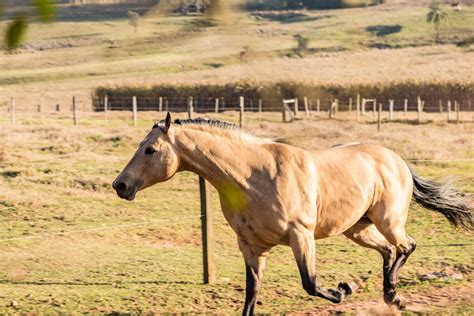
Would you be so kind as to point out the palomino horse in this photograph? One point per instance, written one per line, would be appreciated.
(275, 194)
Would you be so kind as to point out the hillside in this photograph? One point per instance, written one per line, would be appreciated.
(92, 45)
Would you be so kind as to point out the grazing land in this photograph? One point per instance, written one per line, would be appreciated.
(55, 181)
(91, 45)
(69, 245)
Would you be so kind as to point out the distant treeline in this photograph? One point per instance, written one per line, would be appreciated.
(176, 97)
(308, 4)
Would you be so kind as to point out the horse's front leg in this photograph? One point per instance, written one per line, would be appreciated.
(302, 243)
(254, 266)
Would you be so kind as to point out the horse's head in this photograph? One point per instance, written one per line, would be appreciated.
(154, 161)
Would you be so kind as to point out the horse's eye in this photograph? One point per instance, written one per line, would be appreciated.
(149, 151)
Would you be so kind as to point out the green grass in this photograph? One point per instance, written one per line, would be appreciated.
(55, 177)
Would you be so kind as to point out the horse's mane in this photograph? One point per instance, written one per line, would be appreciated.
(222, 125)
(203, 121)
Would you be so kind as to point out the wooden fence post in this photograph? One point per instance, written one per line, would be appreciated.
(374, 108)
(419, 108)
(296, 107)
(390, 110)
(358, 108)
(74, 110)
(336, 106)
(449, 110)
(440, 106)
(318, 106)
(306, 107)
(134, 109)
(260, 105)
(209, 270)
(331, 109)
(190, 108)
(456, 106)
(350, 105)
(405, 107)
(241, 112)
(216, 105)
(379, 118)
(160, 104)
(363, 106)
(12, 112)
(106, 106)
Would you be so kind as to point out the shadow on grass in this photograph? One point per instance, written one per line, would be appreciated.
(288, 17)
(383, 30)
(79, 283)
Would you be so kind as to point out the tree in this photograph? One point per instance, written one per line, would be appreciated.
(436, 16)
(133, 19)
(16, 29)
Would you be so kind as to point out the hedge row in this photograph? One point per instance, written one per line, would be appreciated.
(120, 97)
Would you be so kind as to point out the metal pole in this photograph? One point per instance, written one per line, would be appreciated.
(134, 109)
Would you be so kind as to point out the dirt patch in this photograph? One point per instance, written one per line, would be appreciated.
(422, 303)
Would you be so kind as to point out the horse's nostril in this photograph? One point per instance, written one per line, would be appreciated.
(121, 187)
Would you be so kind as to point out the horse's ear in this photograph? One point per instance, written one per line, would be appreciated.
(167, 122)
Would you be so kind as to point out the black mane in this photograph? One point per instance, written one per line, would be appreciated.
(202, 121)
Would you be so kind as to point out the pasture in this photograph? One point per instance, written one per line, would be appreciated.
(69, 245)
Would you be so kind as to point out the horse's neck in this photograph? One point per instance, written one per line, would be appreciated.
(220, 159)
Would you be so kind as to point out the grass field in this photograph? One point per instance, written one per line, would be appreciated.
(55, 181)
(94, 45)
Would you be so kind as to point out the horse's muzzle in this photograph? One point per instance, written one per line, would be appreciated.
(125, 190)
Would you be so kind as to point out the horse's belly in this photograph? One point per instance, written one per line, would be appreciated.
(336, 225)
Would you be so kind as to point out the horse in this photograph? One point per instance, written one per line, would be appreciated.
(276, 194)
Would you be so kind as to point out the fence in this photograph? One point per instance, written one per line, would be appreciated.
(358, 108)
(291, 110)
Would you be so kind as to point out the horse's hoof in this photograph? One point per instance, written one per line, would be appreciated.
(347, 287)
(398, 301)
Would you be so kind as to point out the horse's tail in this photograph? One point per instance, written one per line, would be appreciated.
(444, 199)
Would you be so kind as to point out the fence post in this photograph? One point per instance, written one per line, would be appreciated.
(379, 118)
(318, 106)
(363, 106)
(390, 110)
(241, 113)
(440, 106)
(296, 107)
(134, 109)
(74, 110)
(209, 275)
(106, 106)
(306, 108)
(216, 105)
(457, 106)
(12, 112)
(260, 104)
(160, 104)
(405, 107)
(190, 108)
(350, 105)
(374, 107)
(449, 110)
(358, 108)
(331, 109)
(283, 113)
(418, 105)
(336, 106)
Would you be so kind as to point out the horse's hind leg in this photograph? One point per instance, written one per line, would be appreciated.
(366, 234)
(391, 224)
(302, 243)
